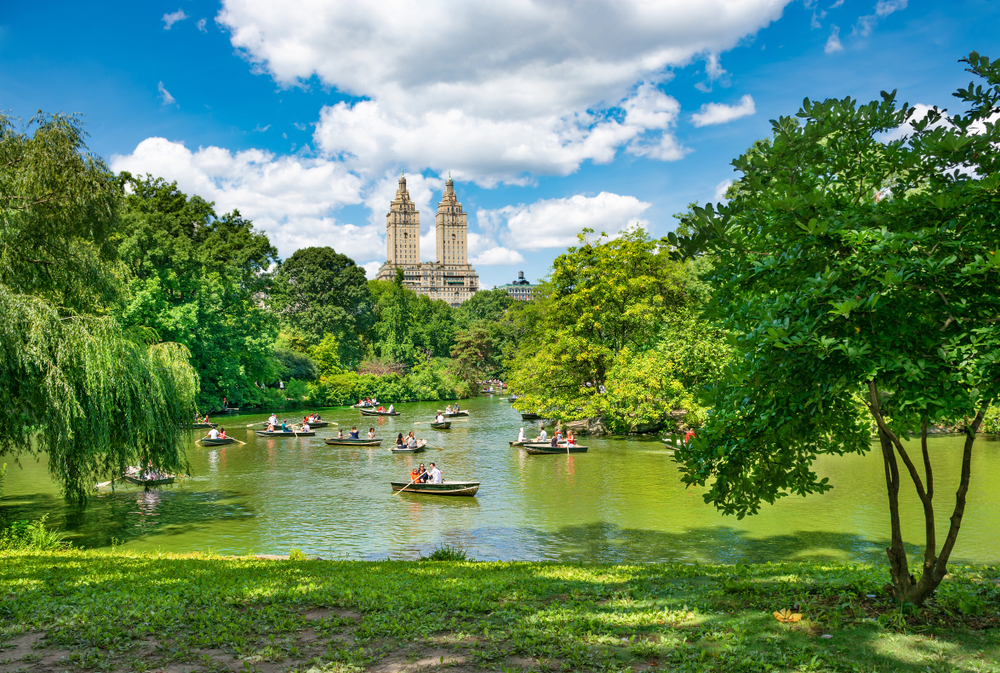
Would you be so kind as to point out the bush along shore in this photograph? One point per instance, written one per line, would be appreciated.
(122, 611)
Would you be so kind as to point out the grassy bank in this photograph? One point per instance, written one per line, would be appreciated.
(132, 612)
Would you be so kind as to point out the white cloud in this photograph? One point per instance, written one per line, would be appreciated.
(164, 94)
(290, 198)
(713, 71)
(837, 4)
(720, 191)
(833, 44)
(717, 113)
(371, 268)
(883, 8)
(493, 91)
(173, 17)
(201, 25)
(554, 223)
(498, 256)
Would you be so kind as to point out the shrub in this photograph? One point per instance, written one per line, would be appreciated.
(447, 553)
(32, 536)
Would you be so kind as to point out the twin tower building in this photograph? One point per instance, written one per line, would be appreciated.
(450, 278)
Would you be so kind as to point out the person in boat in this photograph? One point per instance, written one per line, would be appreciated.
(542, 435)
(371, 433)
(422, 475)
(439, 418)
(222, 433)
(380, 409)
(414, 474)
(304, 428)
(411, 441)
(316, 417)
(434, 474)
(270, 427)
(399, 440)
(456, 411)
(213, 433)
(520, 436)
(392, 409)
(570, 438)
(305, 420)
(447, 409)
(273, 420)
(354, 432)
(206, 419)
(340, 433)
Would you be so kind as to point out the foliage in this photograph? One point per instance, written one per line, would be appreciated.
(446, 552)
(195, 281)
(326, 355)
(319, 291)
(393, 338)
(848, 265)
(484, 306)
(591, 617)
(295, 365)
(32, 536)
(73, 384)
(616, 311)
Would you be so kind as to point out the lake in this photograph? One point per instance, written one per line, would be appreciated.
(622, 501)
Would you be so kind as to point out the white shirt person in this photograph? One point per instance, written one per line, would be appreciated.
(435, 474)
(213, 434)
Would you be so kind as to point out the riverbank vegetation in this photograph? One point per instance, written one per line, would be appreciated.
(135, 612)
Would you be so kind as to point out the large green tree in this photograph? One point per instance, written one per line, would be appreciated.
(319, 291)
(196, 279)
(857, 275)
(608, 301)
(74, 385)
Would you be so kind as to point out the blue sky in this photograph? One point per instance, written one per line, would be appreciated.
(551, 116)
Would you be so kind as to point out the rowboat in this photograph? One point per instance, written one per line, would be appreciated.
(517, 443)
(421, 446)
(279, 433)
(444, 488)
(548, 449)
(441, 426)
(368, 412)
(452, 414)
(218, 441)
(363, 406)
(312, 425)
(135, 476)
(203, 426)
(512, 399)
(347, 441)
(529, 417)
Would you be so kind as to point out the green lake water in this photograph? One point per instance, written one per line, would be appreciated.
(623, 501)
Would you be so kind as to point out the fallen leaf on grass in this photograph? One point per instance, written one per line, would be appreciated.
(786, 616)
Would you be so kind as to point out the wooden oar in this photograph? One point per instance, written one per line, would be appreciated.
(412, 481)
(236, 440)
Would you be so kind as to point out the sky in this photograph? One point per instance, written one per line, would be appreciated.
(550, 115)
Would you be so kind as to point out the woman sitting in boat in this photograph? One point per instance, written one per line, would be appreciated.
(447, 409)
(222, 433)
(381, 409)
(354, 433)
(411, 441)
(304, 428)
(371, 433)
(270, 427)
(392, 409)
(399, 439)
(520, 435)
(570, 438)
(340, 433)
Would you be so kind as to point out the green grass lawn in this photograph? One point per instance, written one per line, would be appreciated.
(180, 613)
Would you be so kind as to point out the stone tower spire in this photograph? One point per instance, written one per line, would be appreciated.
(402, 229)
(451, 229)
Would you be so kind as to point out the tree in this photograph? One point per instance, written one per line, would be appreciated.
(607, 301)
(74, 384)
(319, 291)
(196, 279)
(393, 339)
(857, 276)
(486, 305)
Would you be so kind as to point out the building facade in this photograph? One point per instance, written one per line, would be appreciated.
(451, 278)
(520, 289)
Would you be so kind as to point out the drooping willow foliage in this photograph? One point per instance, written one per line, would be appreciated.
(74, 385)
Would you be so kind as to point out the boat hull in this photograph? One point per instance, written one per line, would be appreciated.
(466, 488)
(347, 441)
(530, 417)
(516, 443)
(453, 414)
(366, 412)
(405, 449)
(208, 441)
(441, 426)
(203, 426)
(265, 433)
(132, 479)
(547, 449)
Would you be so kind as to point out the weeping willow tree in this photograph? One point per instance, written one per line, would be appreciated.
(74, 385)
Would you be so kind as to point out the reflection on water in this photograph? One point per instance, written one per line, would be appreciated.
(621, 501)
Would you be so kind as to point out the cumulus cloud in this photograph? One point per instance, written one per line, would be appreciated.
(173, 17)
(720, 191)
(498, 256)
(164, 94)
(493, 91)
(554, 223)
(201, 25)
(833, 44)
(717, 113)
(371, 269)
(290, 198)
(866, 24)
